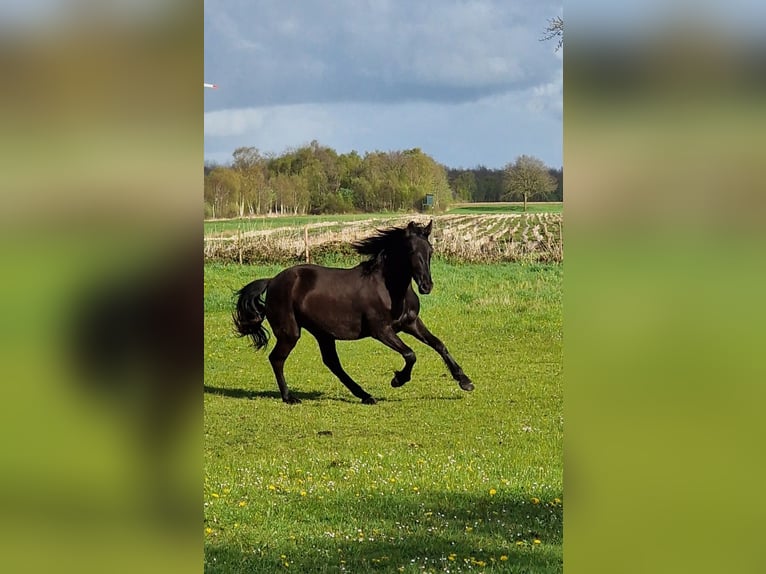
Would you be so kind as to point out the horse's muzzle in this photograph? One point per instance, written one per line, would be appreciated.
(425, 288)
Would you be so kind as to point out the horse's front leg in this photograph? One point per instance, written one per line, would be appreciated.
(418, 330)
(388, 337)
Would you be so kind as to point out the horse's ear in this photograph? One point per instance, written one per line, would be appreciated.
(412, 227)
(427, 228)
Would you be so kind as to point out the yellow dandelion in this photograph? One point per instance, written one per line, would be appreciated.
(535, 500)
(503, 558)
(272, 487)
(468, 528)
(208, 530)
(214, 494)
(226, 490)
(414, 488)
(451, 557)
(303, 493)
(520, 543)
(492, 492)
(556, 501)
(242, 503)
(536, 541)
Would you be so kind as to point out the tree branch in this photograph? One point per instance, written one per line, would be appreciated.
(555, 29)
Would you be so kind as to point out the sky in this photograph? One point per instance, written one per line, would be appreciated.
(468, 82)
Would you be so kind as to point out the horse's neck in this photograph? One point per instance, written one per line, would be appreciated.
(397, 275)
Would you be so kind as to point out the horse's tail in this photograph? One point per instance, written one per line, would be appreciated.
(251, 311)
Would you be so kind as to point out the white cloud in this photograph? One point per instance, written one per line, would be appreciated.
(548, 97)
(226, 123)
(491, 131)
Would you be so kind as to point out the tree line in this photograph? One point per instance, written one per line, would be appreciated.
(481, 183)
(315, 179)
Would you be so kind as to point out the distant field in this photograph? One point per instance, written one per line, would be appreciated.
(431, 479)
(232, 226)
(507, 207)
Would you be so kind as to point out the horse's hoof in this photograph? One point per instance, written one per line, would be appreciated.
(291, 400)
(466, 384)
(395, 382)
(368, 401)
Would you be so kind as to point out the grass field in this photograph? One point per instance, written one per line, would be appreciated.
(431, 479)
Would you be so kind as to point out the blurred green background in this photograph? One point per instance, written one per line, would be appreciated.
(664, 148)
(101, 146)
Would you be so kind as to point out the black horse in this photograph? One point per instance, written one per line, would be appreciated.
(374, 299)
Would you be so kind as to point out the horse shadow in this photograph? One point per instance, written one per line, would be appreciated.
(252, 395)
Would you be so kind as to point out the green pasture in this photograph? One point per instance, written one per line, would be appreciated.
(430, 479)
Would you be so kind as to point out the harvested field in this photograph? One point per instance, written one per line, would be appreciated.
(506, 237)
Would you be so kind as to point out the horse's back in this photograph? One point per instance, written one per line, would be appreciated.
(322, 299)
(302, 279)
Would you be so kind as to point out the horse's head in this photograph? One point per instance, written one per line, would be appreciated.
(420, 251)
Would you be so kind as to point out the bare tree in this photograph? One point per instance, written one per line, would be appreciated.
(555, 30)
(528, 178)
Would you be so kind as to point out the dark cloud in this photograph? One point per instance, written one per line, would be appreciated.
(469, 82)
(273, 52)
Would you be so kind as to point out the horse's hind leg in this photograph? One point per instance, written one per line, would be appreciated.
(331, 360)
(285, 343)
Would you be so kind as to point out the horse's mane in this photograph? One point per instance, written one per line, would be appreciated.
(385, 241)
